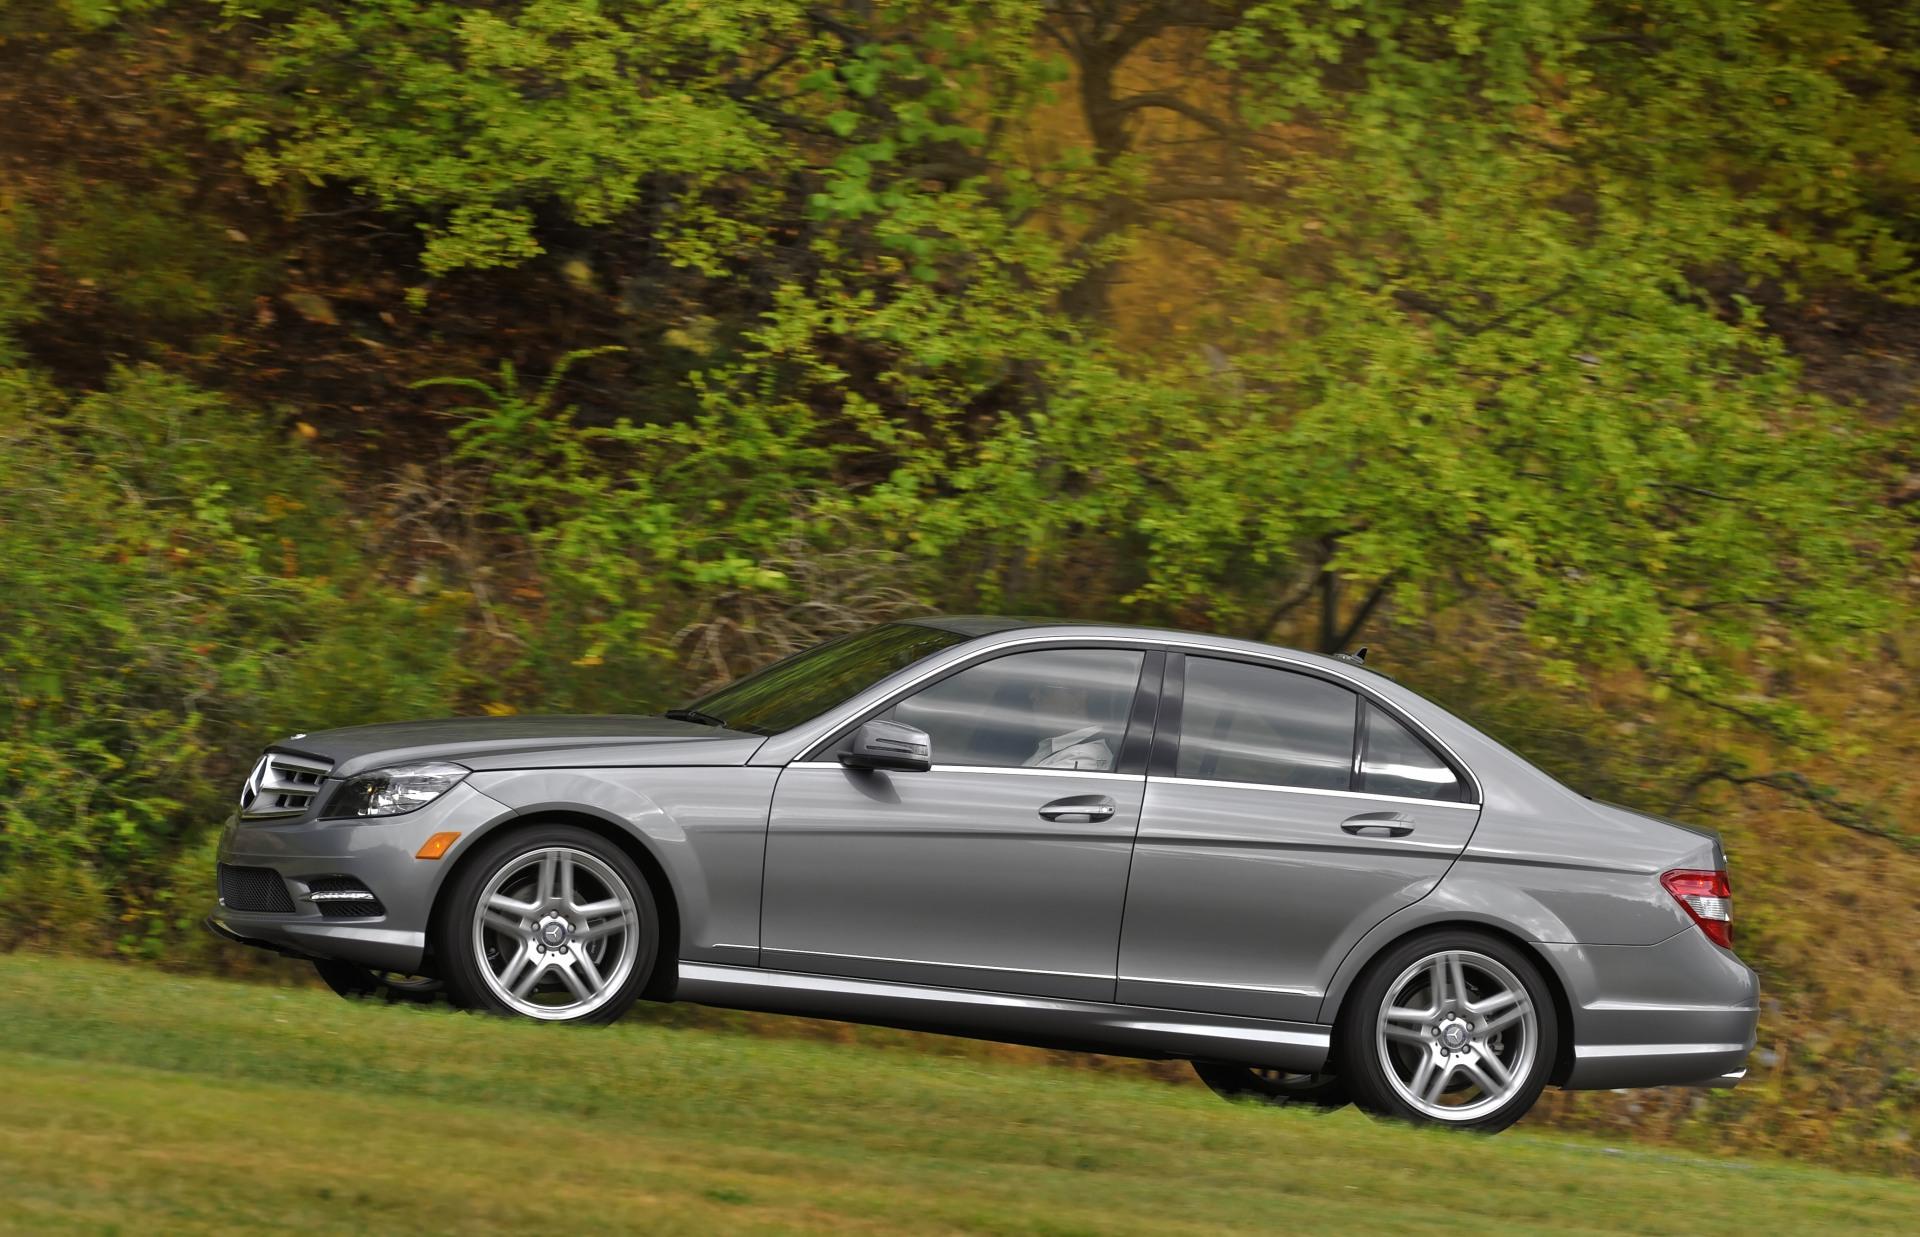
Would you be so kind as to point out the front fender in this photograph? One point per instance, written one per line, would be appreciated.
(704, 827)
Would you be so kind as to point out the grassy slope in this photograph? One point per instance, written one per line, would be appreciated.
(145, 1102)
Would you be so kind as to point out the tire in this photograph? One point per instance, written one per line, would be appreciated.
(550, 922)
(359, 983)
(1277, 1088)
(1474, 1061)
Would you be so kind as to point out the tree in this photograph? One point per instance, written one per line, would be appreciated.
(1454, 329)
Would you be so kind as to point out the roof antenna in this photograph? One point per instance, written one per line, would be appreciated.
(1358, 657)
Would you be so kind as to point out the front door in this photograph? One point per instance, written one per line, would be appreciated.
(1004, 868)
(1291, 817)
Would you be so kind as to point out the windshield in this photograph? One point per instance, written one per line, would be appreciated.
(802, 687)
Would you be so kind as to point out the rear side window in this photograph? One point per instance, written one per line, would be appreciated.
(1395, 762)
(1242, 723)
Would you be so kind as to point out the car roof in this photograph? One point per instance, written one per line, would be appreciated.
(977, 626)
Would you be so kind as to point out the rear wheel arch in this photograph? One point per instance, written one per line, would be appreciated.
(666, 973)
(1556, 982)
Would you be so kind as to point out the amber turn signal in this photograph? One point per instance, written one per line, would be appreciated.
(436, 846)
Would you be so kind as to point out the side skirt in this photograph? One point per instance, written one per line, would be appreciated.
(1046, 1022)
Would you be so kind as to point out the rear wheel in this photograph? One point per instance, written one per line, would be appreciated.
(552, 922)
(1452, 1028)
(1280, 1088)
(362, 983)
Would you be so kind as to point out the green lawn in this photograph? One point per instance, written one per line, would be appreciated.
(141, 1102)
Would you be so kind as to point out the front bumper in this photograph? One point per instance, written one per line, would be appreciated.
(379, 854)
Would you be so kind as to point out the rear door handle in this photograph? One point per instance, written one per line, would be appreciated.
(1089, 808)
(1379, 825)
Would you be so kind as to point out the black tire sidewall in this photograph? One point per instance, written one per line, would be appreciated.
(453, 934)
(1360, 1063)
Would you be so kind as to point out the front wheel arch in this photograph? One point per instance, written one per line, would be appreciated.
(1556, 984)
(666, 972)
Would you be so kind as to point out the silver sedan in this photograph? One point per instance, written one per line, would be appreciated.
(1312, 883)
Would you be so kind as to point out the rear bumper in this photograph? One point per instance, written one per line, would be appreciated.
(380, 854)
(1680, 1013)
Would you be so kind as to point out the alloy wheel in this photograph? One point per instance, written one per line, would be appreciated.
(556, 931)
(1457, 1034)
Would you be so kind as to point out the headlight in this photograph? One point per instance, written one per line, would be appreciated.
(394, 791)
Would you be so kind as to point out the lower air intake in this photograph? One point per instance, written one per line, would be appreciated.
(253, 889)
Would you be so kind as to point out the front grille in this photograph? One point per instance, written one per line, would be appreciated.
(282, 785)
(253, 889)
(343, 897)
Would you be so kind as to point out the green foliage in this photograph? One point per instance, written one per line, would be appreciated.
(182, 581)
(152, 255)
(1554, 411)
(478, 115)
(17, 234)
(629, 522)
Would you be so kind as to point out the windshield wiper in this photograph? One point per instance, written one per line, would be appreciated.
(695, 715)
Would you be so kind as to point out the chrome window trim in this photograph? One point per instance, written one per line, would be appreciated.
(1015, 770)
(1158, 780)
(813, 733)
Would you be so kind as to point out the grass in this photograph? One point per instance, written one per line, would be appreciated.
(141, 1102)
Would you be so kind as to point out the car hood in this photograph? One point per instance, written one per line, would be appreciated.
(525, 743)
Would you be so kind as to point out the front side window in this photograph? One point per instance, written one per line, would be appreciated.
(1052, 709)
(802, 687)
(1395, 762)
(1242, 723)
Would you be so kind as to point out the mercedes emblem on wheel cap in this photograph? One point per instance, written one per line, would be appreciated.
(553, 933)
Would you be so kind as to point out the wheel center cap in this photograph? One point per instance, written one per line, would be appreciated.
(1454, 1035)
(553, 933)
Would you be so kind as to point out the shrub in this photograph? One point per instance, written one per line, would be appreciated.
(182, 582)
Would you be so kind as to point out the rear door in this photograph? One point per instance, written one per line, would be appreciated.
(1284, 816)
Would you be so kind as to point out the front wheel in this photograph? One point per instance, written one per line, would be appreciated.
(1452, 1028)
(554, 923)
(1277, 1088)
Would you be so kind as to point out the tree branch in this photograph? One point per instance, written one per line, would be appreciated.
(1285, 606)
(1167, 101)
(1825, 801)
(1365, 612)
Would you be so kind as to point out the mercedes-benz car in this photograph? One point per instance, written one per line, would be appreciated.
(1311, 882)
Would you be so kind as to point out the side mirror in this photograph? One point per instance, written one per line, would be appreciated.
(889, 745)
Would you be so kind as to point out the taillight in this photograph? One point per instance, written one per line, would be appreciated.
(1707, 898)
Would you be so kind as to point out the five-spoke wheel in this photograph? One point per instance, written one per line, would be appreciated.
(553, 923)
(1455, 1027)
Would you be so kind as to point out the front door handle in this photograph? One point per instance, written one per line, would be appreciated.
(1379, 825)
(1089, 808)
